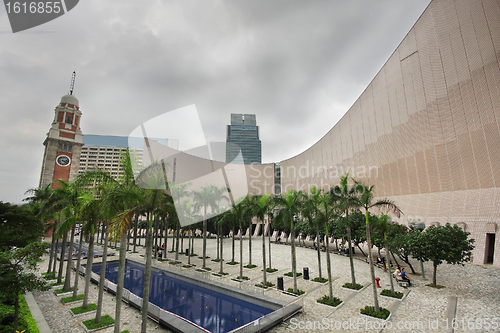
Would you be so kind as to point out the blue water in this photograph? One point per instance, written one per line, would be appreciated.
(211, 310)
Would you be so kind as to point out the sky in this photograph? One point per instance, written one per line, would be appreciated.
(298, 65)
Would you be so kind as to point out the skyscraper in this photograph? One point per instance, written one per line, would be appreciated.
(243, 134)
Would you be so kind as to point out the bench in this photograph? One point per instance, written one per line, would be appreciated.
(401, 282)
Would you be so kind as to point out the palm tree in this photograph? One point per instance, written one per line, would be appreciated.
(203, 199)
(309, 211)
(290, 207)
(383, 226)
(366, 199)
(260, 206)
(178, 191)
(347, 200)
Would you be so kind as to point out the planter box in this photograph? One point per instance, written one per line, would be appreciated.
(375, 318)
(81, 314)
(95, 329)
(64, 294)
(392, 298)
(353, 289)
(329, 306)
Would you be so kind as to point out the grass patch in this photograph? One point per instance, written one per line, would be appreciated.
(317, 279)
(434, 286)
(71, 299)
(60, 291)
(126, 331)
(193, 255)
(326, 300)
(80, 310)
(271, 270)
(57, 284)
(232, 263)
(299, 292)
(203, 269)
(266, 285)
(290, 274)
(349, 285)
(370, 311)
(50, 276)
(250, 266)
(388, 293)
(106, 320)
(220, 274)
(187, 266)
(216, 260)
(174, 262)
(201, 257)
(241, 279)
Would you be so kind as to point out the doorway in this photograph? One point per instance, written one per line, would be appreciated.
(489, 248)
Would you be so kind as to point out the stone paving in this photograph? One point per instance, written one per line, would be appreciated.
(424, 309)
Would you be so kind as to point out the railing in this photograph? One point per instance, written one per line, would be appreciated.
(256, 325)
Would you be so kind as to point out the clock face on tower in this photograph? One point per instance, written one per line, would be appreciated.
(63, 160)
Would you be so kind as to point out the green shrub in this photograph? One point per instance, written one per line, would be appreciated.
(290, 274)
(105, 321)
(350, 286)
(250, 266)
(326, 300)
(57, 284)
(322, 280)
(71, 299)
(271, 270)
(370, 311)
(79, 309)
(60, 291)
(388, 293)
(266, 285)
(26, 321)
(232, 263)
(216, 260)
(299, 292)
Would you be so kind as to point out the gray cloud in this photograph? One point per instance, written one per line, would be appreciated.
(298, 65)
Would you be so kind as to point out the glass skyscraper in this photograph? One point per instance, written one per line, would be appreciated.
(243, 134)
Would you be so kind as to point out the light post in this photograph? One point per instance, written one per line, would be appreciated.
(417, 223)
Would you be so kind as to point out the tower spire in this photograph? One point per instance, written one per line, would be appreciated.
(72, 85)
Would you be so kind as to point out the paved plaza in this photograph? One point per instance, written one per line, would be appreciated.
(474, 289)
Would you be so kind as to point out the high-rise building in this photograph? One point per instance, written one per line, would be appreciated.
(243, 135)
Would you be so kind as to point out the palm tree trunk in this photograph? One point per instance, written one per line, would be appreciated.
(351, 256)
(67, 279)
(135, 232)
(241, 254)
(294, 260)
(78, 260)
(264, 255)
(388, 266)
(232, 249)
(269, 242)
(204, 242)
(63, 252)
(165, 236)
(250, 244)
(370, 257)
(221, 257)
(119, 283)
(102, 275)
(147, 281)
(218, 242)
(329, 265)
(177, 241)
(318, 250)
(190, 249)
(56, 247)
(88, 271)
(52, 247)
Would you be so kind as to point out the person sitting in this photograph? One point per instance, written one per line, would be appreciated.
(397, 272)
(404, 277)
(379, 261)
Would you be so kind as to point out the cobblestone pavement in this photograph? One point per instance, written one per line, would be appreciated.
(424, 309)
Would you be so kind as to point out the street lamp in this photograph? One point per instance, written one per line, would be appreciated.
(417, 223)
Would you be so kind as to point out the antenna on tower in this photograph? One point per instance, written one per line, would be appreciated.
(72, 85)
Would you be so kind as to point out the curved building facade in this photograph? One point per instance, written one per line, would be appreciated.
(426, 131)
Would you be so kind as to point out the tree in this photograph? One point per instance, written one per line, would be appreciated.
(16, 274)
(203, 199)
(260, 206)
(18, 226)
(443, 244)
(310, 213)
(366, 195)
(290, 207)
(347, 200)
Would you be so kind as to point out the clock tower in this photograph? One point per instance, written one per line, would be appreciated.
(63, 144)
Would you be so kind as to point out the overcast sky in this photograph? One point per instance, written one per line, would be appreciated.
(298, 65)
